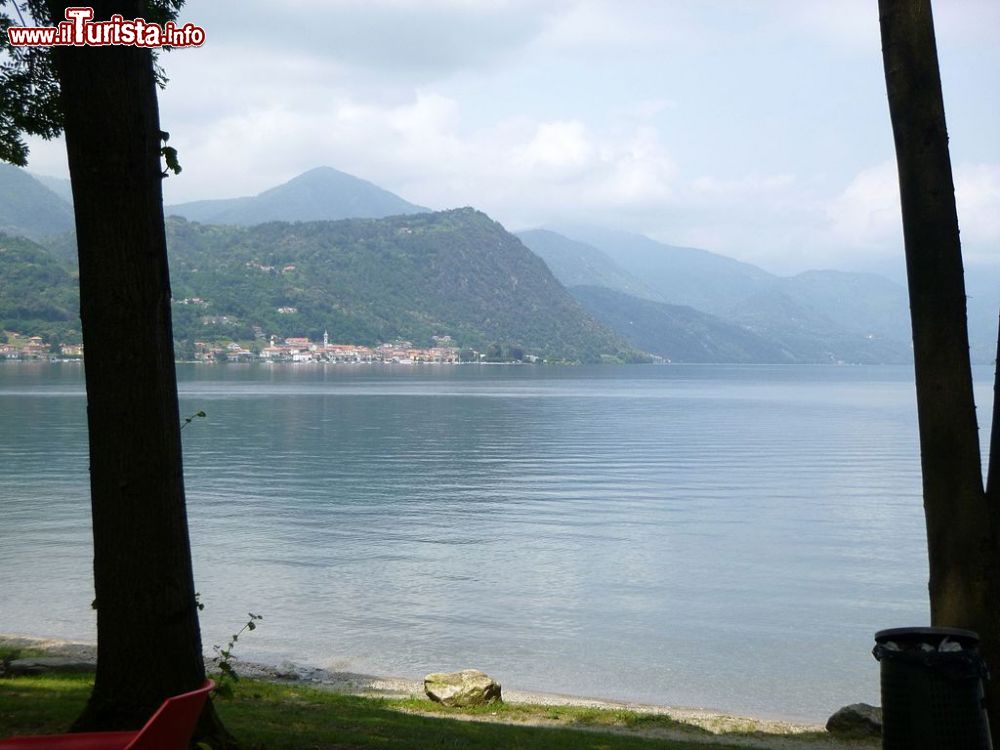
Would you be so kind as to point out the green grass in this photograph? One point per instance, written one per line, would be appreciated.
(9, 653)
(290, 717)
(620, 720)
(570, 715)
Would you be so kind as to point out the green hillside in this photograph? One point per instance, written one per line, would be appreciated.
(38, 295)
(677, 332)
(455, 273)
(812, 336)
(365, 281)
(28, 208)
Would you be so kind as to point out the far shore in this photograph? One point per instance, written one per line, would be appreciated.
(396, 687)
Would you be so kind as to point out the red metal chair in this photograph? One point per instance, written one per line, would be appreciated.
(170, 728)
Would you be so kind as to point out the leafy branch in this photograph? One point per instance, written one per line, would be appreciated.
(224, 658)
(189, 420)
(169, 154)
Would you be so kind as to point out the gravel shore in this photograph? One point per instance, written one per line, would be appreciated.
(370, 685)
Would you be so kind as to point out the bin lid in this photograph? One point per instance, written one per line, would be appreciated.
(933, 636)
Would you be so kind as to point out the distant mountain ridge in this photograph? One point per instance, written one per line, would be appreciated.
(579, 264)
(739, 308)
(677, 332)
(321, 194)
(58, 185)
(689, 276)
(30, 209)
(815, 317)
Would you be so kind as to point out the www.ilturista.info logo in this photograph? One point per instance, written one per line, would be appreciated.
(80, 30)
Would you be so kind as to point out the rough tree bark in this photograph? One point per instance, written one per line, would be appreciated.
(961, 521)
(149, 642)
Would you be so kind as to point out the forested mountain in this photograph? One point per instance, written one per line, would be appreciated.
(365, 281)
(677, 332)
(982, 285)
(58, 185)
(579, 264)
(717, 284)
(811, 336)
(38, 295)
(455, 273)
(857, 302)
(679, 275)
(28, 208)
(320, 194)
(816, 316)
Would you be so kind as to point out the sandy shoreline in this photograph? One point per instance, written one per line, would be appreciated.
(750, 732)
(392, 687)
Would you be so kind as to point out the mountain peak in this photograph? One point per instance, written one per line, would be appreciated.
(319, 194)
(319, 177)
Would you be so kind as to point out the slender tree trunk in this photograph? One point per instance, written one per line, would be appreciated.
(149, 642)
(993, 475)
(961, 526)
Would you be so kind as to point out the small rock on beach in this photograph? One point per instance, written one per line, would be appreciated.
(856, 720)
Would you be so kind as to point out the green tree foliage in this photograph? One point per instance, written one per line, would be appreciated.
(29, 87)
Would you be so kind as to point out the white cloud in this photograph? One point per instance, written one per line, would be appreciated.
(522, 171)
(640, 172)
(593, 25)
(48, 157)
(854, 24)
(977, 192)
(867, 213)
(742, 186)
(415, 41)
(561, 148)
(849, 24)
(671, 118)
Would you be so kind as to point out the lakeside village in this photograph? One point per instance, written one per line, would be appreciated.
(292, 350)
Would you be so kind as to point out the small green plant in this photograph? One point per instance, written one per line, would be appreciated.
(169, 154)
(189, 420)
(6, 657)
(224, 659)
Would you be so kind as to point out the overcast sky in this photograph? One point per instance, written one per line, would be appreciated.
(754, 128)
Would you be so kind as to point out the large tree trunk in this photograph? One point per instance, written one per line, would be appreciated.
(149, 643)
(961, 525)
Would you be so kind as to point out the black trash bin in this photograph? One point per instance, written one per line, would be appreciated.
(932, 689)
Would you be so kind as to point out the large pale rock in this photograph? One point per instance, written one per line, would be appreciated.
(470, 687)
(856, 720)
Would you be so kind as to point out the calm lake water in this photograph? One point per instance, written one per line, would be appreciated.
(718, 536)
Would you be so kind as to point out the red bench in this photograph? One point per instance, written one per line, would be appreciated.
(170, 728)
